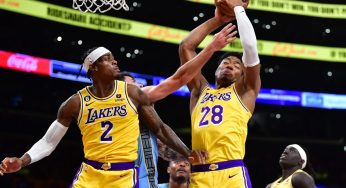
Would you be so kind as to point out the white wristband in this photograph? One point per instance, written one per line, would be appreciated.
(46, 145)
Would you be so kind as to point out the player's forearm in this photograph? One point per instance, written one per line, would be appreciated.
(247, 37)
(26, 160)
(182, 76)
(149, 117)
(165, 152)
(188, 71)
(168, 137)
(189, 44)
(46, 145)
(197, 35)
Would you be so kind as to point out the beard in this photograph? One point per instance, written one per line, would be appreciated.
(180, 179)
(225, 81)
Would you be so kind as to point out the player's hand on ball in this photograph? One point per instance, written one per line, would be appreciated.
(226, 6)
(223, 18)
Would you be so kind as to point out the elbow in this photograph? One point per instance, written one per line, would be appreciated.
(50, 148)
(249, 46)
(182, 48)
(180, 80)
(184, 80)
(183, 44)
(48, 153)
(250, 52)
(186, 46)
(159, 132)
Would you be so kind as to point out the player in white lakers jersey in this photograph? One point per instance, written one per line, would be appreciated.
(107, 113)
(219, 116)
(292, 161)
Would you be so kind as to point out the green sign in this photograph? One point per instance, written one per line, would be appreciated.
(162, 33)
(294, 7)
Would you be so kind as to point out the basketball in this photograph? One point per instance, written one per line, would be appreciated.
(226, 6)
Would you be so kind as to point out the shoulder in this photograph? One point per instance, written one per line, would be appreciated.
(134, 91)
(137, 95)
(73, 102)
(203, 87)
(269, 185)
(70, 107)
(302, 179)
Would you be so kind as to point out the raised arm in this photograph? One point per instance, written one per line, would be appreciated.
(187, 71)
(249, 87)
(189, 44)
(47, 144)
(187, 51)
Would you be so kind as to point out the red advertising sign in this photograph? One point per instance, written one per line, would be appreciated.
(24, 63)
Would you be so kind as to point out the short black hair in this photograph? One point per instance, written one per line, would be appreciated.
(227, 54)
(121, 76)
(177, 158)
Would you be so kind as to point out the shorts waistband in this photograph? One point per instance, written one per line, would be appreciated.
(110, 166)
(217, 166)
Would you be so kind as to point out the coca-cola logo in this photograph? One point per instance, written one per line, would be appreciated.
(22, 62)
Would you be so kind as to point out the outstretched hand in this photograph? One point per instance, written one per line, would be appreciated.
(10, 164)
(198, 157)
(224, 37)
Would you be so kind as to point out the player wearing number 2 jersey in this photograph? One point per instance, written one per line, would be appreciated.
(220, 115)
(107, 113)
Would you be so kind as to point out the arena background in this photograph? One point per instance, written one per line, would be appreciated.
(29, 102)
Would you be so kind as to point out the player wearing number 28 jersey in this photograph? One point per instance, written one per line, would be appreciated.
(219, 125)
(221, 132)
(220, 115)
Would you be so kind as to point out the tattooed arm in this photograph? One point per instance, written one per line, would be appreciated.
(150, 118)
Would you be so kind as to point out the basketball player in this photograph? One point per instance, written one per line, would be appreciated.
(219, 116)
(179, 171)
(148, 144)
(292, 161)
(107, 113)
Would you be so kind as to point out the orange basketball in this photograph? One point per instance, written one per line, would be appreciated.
(226, 6)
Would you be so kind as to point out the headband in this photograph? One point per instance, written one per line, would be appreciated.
(301, 153)
(93, 56)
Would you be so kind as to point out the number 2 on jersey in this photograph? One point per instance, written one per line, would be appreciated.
(216, 115)
(106, 126)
